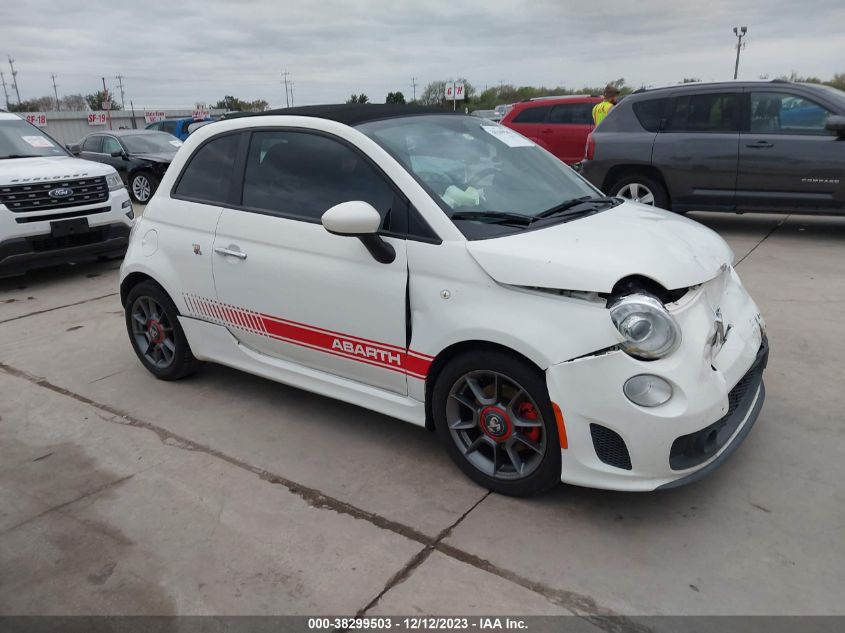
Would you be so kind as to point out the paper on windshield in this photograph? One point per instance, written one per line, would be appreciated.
(175, 143)
(507, 136)
(38, 141)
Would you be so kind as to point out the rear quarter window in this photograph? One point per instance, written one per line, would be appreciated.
(532, 115)
(650, 113)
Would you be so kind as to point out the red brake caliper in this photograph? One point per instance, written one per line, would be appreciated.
(527, 411)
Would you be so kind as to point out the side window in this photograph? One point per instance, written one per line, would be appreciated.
(303, 175)
(532, 115)
(208, 175)
(93, 144)
(154, 126)
(783, 113)
(169, 127)
(717, 112)
(572, 113)
(111, 144)
(650, 113)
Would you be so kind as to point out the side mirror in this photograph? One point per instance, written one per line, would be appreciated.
(118, 153)
(74, 148)
(359, 219)
(836, 123)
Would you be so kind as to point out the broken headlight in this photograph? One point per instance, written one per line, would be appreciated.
(648, 330)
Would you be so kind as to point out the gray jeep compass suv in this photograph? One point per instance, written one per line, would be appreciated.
(739, 146)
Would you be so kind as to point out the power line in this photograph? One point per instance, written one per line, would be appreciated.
(122, 98)
(15, 78)
(56, 92)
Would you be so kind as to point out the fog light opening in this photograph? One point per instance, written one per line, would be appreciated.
(647, 390)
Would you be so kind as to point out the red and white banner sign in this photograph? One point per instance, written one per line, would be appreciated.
(454, 91)
(100, 117)
(151, 116)
(201, 113)
(36, 118)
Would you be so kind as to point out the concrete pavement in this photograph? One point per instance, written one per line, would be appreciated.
(229, 494)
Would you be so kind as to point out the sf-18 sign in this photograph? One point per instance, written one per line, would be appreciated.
(151, 116)
(36, 118)
(101, 117)
(454, 91)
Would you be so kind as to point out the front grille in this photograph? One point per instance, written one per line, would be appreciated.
(696, 448)
(610, 447)
(61, 216)
(49, 243)
(36, 196)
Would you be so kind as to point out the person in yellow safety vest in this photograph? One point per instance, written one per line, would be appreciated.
(600, 110)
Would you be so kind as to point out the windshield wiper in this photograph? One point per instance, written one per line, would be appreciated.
(562, 208)
(493, 217)
(21, 156)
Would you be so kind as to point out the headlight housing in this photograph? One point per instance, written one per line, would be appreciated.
(114, 182)
(649, 330)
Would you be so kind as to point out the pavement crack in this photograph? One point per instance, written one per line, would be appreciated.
(56, 508)
(578, 604)
(763, 239)
(67, 305)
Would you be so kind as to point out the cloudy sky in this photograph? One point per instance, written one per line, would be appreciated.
(176, 53)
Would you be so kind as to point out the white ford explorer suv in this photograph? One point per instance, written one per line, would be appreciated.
(444, 270)
(55, 208)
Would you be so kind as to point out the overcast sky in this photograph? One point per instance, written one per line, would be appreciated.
(176, 53)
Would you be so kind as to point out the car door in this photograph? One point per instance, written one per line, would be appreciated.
(293, 291)
(529, 120)
(565, 132)
(787, 159)
(697, 151)
(184, 229)
(92, 148)
(121, 163)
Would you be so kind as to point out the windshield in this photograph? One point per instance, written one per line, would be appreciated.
(19, 139)
(151, 143)
(476, 169)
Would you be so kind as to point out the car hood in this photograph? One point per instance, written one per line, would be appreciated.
(158, 157)
(591, 254)
(47, 168)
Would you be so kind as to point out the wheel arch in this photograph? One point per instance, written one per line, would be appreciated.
(618, 172)
(442, 359)
(137, 277)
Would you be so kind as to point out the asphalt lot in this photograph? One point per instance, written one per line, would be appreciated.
(230, 494)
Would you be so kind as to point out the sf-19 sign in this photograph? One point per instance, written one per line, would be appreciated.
(101, 117)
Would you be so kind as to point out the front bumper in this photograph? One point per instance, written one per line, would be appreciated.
(717, 396)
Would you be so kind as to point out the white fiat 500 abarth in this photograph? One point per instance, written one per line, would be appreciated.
(444, 270)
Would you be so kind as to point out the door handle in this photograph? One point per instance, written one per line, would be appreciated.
(759, 145)
(229, 252)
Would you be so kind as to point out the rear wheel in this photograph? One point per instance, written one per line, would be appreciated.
(493, 413)
(155, 333)
(642, 189)
(142, 186)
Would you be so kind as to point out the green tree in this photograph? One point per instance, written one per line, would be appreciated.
(361, 98)
(40, 104)
(395, 97)
(231, 103)
(95, 101)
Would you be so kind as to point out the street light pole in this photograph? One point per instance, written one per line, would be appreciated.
(740, 33)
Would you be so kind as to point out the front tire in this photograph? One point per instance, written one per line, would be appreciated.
(155, 333)
(142, 186)
(493, 413)
(642, 189)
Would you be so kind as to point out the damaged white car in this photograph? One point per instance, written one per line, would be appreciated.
(446, 271)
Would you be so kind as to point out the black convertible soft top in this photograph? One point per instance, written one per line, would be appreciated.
(349, 114)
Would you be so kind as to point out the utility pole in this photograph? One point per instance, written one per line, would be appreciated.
(56, 92)
(15, 78)
(5, 92)
(122, 98)
(104, 99)
(291, 93)
(285, 80)
(414, 84)
(740, 33)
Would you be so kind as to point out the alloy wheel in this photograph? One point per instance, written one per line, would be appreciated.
(152, 332)
(141, 188)
(496, 425)
(637, 192)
